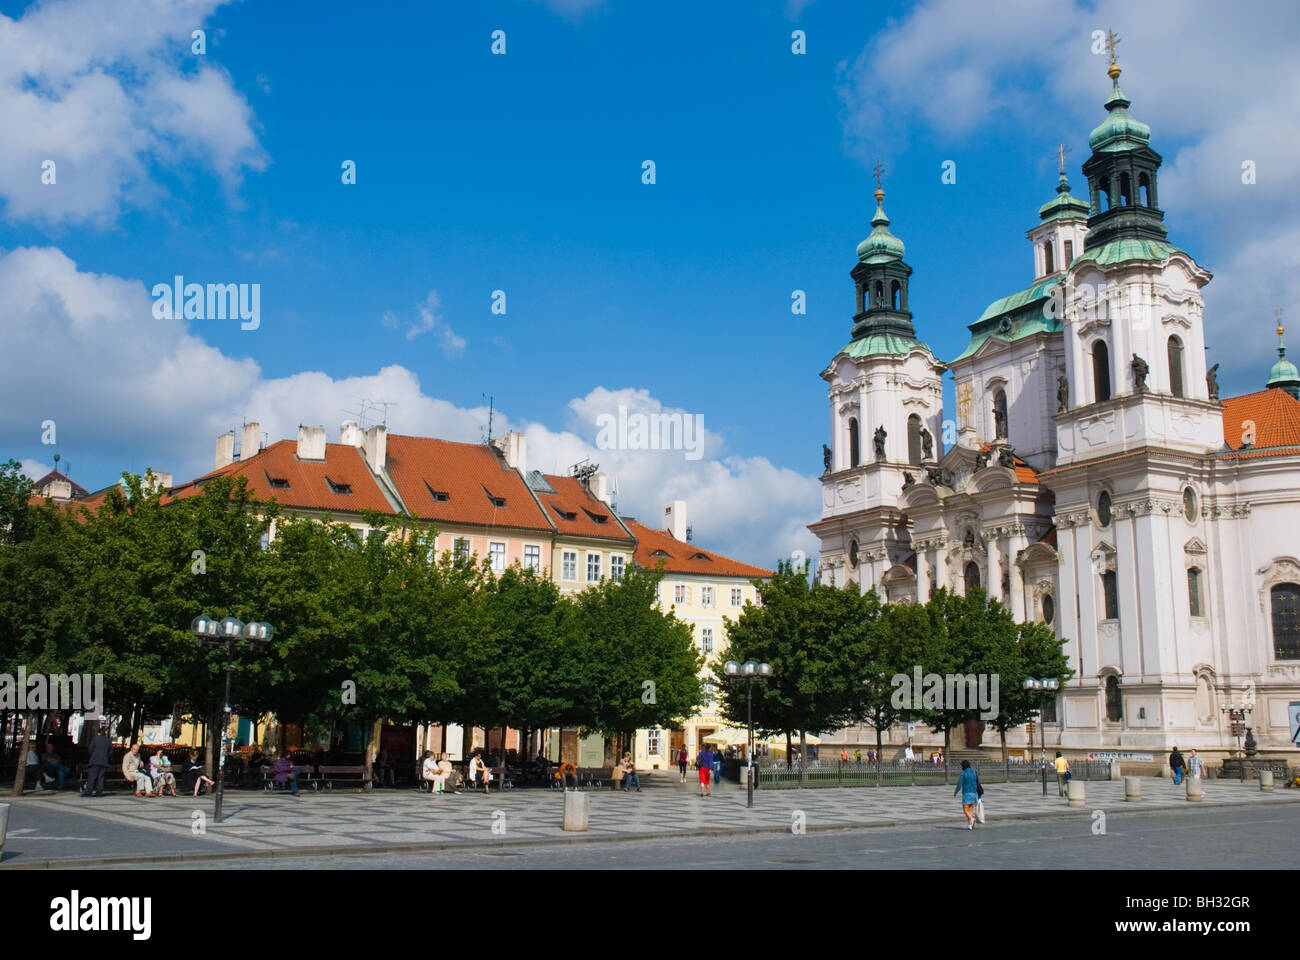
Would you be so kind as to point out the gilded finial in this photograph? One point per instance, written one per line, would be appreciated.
(1112, 38)
(1280, 329)
(880, 194)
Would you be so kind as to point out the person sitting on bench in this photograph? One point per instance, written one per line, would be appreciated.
(477, 770)
(195, 774)
(131, 769)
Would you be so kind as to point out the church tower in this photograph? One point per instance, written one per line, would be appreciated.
(886, 417)
(1284, 374)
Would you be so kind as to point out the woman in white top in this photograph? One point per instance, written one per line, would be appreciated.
(429, 771)
(476, 768)
(160, 771)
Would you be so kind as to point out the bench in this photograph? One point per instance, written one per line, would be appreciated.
(304, 776)
(330, 775)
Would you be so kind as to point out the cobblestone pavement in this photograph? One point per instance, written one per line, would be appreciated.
(66, 827)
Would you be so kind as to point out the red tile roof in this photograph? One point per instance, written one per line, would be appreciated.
(1024, 472)
(680, 557)
(77, 489)
(470, 474)
(591, 518)
(1275, 416)
(309, 480)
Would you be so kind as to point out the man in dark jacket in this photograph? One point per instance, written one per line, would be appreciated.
(101, 749)
(1176, 765)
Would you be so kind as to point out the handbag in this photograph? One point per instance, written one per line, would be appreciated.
(1067, 776)
(979, 788)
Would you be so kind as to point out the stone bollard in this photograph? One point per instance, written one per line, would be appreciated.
(576, 808)
(1074, 790)
(1114, 771)
(1265, 783)
(1133, 789)
(1194, 792)
(4, 824)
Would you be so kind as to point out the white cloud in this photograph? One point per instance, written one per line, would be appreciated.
(1216, 86)
(34, 468)
(429, 319)
(106, 89)
(85, 350)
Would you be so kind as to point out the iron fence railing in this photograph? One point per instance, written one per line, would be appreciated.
(849, 774)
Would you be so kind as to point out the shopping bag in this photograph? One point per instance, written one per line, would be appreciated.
(979, 810)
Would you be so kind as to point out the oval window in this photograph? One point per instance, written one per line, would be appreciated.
(1189, 505)
(1049, 609)
(1103, 509)
(853, 554)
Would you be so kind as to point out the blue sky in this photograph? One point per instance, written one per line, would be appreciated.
(522, 173)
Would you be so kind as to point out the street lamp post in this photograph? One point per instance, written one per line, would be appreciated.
(1236, 712)
(1044, 686)
(226, 633)
(749, 670)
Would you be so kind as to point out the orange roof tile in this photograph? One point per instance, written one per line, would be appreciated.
(309, 480)
(654, 546)
(1275, 416)
(470, 474)
(1024, 472)
(590, 517)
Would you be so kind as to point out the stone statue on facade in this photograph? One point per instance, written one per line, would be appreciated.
(1212, 381)
(1062, 394)
(999, 422)
(908, 480)
(927, 444)
(826, 457)
(878, 439)
(1006, 458)
(982, 459)
(1140, 371)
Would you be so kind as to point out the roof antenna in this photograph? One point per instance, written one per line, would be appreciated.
(491, 401)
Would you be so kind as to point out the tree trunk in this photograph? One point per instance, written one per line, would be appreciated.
(28, 737)
(210, 758)
(369, 751)
(789, 760)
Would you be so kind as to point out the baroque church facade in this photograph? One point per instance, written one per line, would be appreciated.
(1098, 482)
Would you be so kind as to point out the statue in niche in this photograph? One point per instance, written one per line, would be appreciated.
(1062, 395)
(826, 457)
(908, 480)
(1212, 381)
(1006, 458)
(878, 439)
(927, 444)
(999, 422)
(1140, 371)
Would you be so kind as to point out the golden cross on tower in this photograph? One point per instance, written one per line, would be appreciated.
(1112, 38)
(1061, 151)
(879, 171)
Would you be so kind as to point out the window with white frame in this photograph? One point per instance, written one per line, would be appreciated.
(706, 596)
(569, 569)
(497, 552)
(736, 596)
(654, 739)
(679, 593)
(593, 568)
(460, 550)
(532, 557)
(266, 540)
(706, 639)
(616, 567)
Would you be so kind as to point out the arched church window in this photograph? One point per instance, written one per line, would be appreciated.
(1194, 592)
(853, 441)
(1047, 258)
(914, 440)
(1103, 187)
(1069, 253)
(894, 295)
(1110, 595)
(1175, 350)
(1286, 621)
(1100, 372)
(1104, 512)
(972, 575)
(1189, 504)
(1000, 414)
(1125, 190)
(1144, 190)
(1114, 702)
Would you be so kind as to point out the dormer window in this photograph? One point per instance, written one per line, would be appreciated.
(277, 483)
(439, 496)
(344, 489)
(564, 514)
(496, 501)
(661, 553)
(596, 517)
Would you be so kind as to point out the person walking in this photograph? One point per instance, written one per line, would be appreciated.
(1176, 765)
(683, 758)
(131, 769)
(1195, 765)
(1062, 773)
(968, 785)
(717, 766)
(704, 763)
(101, 749)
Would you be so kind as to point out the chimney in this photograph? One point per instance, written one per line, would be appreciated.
(250, 441)
(59, 489)
(675, 519)
(377, 447)
(600, 488)
(225, 450)
(515, 449)
(161, 480)
(311, 443)
(350, 434)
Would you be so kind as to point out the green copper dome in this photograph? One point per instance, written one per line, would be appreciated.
(1120, 130)
(1284, 373)
(1063, 206)
(880, 245)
